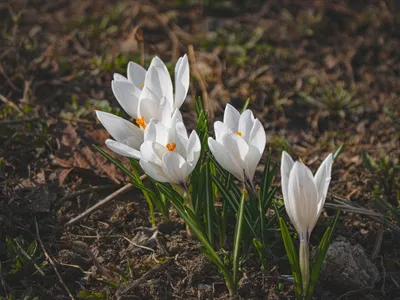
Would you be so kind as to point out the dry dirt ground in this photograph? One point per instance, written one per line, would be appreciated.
(318, 74)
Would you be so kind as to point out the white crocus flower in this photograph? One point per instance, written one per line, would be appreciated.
(127, 137)
(168, 154)
(304, 197)
(144, 95)
(239, 143)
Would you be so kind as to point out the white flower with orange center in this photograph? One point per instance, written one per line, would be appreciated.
(144, 95)
(239, 143)
(168, 154)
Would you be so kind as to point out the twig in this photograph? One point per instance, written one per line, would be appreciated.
(12, 122)
(28, 257)
(202, 83)
(85, 191)
(101, 203)
(143, 279)
(10, 103)
(48, 257)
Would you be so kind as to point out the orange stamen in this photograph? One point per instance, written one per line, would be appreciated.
(142, 85)
(171, 147)
(238, 133)
(141, 123)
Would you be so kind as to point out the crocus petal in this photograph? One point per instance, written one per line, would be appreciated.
(287, 164)
(127, 95)
(159, 80)
(193, 151)
(156, 131)
(177, 134)
(252, 159)
(136, 74)
(165, 111)
(122, 149)
(149, 105)
(223, 158)
(121, 130)
(303, 199)
(119, 77)
(175, 168)
(220, 130)
(245, 124)
(231, 118)
(237, 148)
(181, 81)
(153, 152)
(153, 170)
(257, 136)
(322, 179)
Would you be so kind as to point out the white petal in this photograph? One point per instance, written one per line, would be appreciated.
(303, 199)
(153, 170)
(175, 168)
(223, 158)
(252, 159)
(165, 111)
(245, 124)
(136, 74)
(149, 105)
(257, 136)
(193, 151)
(122, 149)
(182, 78)
(237, 149)
(121, 130)
(220, 130)
(127, 95)
(159, 80)
(153, 152)
(156, 131)
(322, 179)
(119, 77)
(287, 164)
(231, 118)
(177, 134)
(176, 117)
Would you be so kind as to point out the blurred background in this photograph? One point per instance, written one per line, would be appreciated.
(317, 73)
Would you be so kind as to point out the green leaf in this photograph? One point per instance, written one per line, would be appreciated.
(238, 238)
(233, 203)
(320, 256)
(337, 152)
(261, 251)
(246, 104)
(209, 202)
(292, 255)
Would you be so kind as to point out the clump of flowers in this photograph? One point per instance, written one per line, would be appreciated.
(195, 172)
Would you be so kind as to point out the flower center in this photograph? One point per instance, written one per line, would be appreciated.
(171, 147)
(238, 133)
(142, 85)
(141, 123)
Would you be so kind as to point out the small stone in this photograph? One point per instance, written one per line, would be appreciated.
(347, 267)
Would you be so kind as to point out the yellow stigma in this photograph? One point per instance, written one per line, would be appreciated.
(142, 85)
(141, 123)
(171, 147)
(238, 133)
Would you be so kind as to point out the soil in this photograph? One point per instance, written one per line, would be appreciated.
(318, 74)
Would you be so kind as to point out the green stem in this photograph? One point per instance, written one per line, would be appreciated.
(304, 260)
